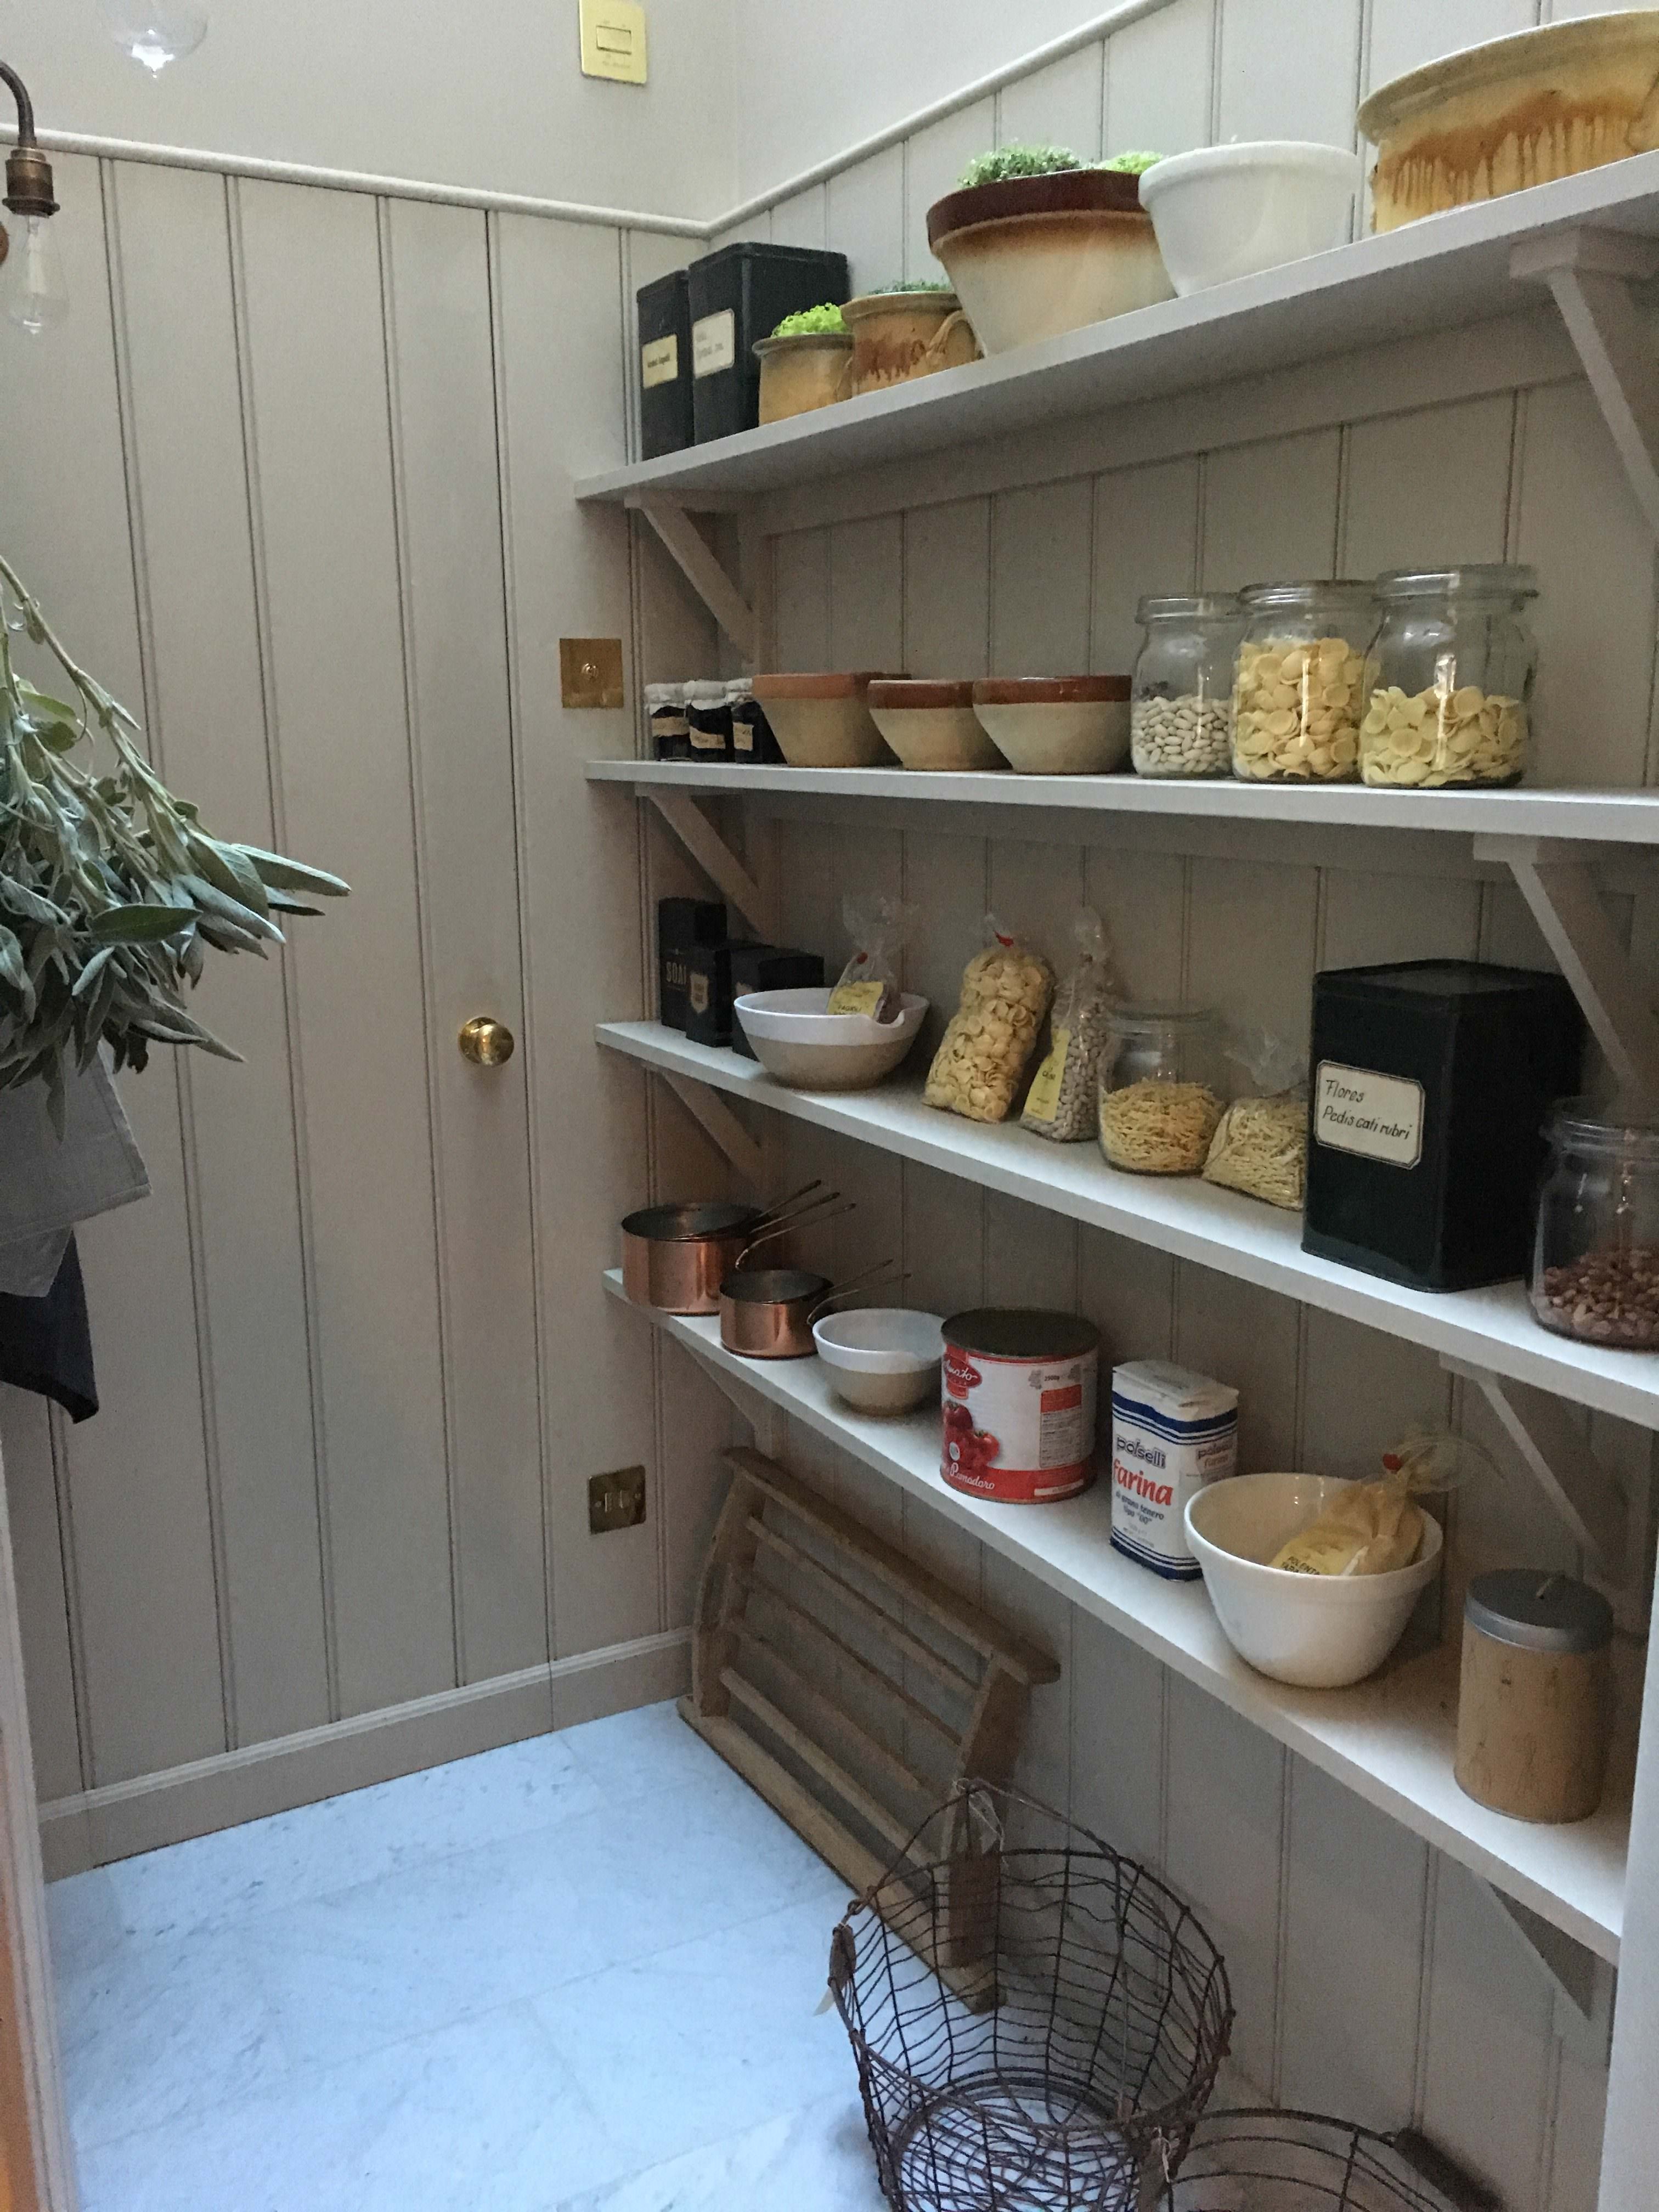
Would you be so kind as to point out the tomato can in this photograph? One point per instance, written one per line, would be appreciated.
(1019, 1390)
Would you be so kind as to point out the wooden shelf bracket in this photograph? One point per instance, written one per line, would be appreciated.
(722, 1127)
(686, 543)
(1557, 882)
(1585, 1985)
(1589, 1499)
(1590, 273)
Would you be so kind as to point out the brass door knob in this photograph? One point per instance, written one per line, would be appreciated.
(485, 1043)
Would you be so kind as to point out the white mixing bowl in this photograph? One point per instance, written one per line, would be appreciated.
(796, 1041)
(1226, 211)
(882, 1359)
(1320, 1632)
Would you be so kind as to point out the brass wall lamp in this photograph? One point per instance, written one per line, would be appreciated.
(36, 295)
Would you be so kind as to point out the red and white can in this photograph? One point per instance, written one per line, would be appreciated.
(1020, 1389)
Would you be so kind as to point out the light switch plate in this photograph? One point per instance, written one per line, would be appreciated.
(615, 1500)
(613, 40)
(590, 671)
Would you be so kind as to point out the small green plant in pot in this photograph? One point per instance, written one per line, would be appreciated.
(806, 363)
(907, 329)
(1038, 242)
(112, 891)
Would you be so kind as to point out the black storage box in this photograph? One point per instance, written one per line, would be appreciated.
(769, 968)
(1431, 1081)
(664, 312)
(738, 295)
(682, 925)
(708, 993)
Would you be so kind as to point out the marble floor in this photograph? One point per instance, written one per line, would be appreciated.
(581, 1974)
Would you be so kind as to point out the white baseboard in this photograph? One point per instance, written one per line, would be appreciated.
(125, 1818)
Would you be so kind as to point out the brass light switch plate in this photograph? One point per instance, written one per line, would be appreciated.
(613, 40)
(615, 1500)
(590, 671)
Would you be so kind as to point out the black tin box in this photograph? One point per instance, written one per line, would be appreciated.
(769, 968)
(683, 924)
(738, 296)
(1430, 1083)
(664, 313)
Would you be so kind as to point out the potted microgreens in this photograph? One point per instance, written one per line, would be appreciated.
(806, 363)
(111, 894)
(1037, 243)
(907, 329)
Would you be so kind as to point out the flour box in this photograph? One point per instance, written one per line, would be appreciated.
(1172, 1432)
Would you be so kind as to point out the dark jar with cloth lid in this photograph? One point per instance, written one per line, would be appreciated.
(1535, 1713)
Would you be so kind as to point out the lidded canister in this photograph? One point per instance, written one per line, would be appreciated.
(1535, 1713)
(1181, 695)
(1020, 1395)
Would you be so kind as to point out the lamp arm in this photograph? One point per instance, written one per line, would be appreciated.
(29, 172)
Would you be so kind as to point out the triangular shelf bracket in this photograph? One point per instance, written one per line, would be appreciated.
(1587, 1500)
(689, 547)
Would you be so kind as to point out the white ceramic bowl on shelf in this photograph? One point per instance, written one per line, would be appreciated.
(1318, 1632)
(1227, 211)
(797, 1042)
(882, 1359)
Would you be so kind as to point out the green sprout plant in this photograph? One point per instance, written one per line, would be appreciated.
(111, 890)
(1005, 162)
(913, 284)
(813, 322)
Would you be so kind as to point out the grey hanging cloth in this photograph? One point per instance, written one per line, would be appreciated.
(45, 1344)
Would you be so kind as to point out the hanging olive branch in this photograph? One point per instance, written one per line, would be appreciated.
(111, 889)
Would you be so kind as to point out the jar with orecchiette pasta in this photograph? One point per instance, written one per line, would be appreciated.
(1160, 1089)
(1299, 682)
(1449, 678)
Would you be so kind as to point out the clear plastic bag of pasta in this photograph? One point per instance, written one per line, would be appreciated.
(869, 983)
(1260, 1143)
(1061, 1102)
(1375, 1528)
(1006, 991)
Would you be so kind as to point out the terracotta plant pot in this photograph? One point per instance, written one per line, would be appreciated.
(1033, 257)
(898, 336)
(813, 368)
(824, 721)
(1516, 112)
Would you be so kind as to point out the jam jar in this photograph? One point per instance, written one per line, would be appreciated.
(709, 714)
(1449, 678)
(1595, 1254)
(670, 734)
(1299, 685)
(1180, 696)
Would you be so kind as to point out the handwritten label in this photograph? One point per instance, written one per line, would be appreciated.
(1379, 1117)
(714, 342)
(660, 361)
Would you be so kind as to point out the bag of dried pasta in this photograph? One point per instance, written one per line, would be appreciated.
(1260, 1143)
(1006, 992)
(1061, 1102)
(870, 982)
(1376, 1528)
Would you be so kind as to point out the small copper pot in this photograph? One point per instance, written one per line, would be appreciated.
(767, 1313)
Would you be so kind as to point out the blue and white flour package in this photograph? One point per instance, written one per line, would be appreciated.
(1172, 1432)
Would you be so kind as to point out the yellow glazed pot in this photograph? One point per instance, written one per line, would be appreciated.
(898, 336)
(813, 368)
(1516, 112)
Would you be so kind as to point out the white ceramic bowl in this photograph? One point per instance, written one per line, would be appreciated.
(1226, 211)
(1319, 1632)
(882, 1359)
(797, 1041)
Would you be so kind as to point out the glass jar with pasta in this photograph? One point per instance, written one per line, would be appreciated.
(1449, 676)
(1300, 684)
(1160, 1089)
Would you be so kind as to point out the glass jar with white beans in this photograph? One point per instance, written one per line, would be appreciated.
(1181, 698)
(1299, 685)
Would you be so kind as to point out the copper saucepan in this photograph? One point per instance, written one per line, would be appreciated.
(767, 1313)
(675, 1257)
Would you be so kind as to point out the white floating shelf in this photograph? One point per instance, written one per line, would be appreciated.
(1390, 1740)
(1238, 1237)
(1625, 818)
(1439, 274)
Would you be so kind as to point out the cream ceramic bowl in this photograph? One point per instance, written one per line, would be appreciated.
(823, 722)
(933, 725)
(1056, 725)
(798, 1042)
(882, 1359)
(1319, 1632)
(1227, 211)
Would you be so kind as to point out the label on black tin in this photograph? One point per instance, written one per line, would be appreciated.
(714, 342)
(1380, 1117)
(660, 361)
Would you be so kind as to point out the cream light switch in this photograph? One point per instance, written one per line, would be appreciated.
(613, 39)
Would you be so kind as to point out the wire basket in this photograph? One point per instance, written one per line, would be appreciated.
(1034, 2017)
(1277, 2161)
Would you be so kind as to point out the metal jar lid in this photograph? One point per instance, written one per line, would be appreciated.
(1539, 1611)
(1022, 1333)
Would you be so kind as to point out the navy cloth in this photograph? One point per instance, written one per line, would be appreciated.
(45, 1344)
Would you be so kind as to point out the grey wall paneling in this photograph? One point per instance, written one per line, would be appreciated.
(1060, 106)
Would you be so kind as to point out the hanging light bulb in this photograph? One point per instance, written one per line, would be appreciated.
(153, 33)
(37, 296)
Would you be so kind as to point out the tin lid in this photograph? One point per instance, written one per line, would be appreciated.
(1022, 1333)
(1538, 1610)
